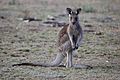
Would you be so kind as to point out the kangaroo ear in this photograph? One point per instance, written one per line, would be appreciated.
(78, 10)
(69, 10)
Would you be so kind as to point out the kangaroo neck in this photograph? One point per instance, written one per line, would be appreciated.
(75, 25)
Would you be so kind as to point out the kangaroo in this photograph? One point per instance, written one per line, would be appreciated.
(69, 39)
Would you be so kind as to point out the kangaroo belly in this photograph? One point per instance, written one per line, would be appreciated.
(75, 39)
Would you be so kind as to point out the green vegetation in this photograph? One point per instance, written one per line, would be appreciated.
(33, 42)
(88, 9)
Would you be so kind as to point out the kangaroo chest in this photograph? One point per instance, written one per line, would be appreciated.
(75, 32)
(75, 36)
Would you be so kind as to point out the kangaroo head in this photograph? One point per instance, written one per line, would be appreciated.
(73, 15)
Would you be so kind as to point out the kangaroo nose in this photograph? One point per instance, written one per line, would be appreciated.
(73, 22)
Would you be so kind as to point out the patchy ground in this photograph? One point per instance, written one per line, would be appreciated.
(35, 42)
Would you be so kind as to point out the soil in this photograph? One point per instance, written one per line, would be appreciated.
(34, 41)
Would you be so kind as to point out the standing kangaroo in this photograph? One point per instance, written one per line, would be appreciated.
(69, 39)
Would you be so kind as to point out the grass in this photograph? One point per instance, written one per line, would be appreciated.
(24, 45)
(13, 2)
(88, 8)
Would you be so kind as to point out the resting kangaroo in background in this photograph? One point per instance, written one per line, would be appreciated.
(69, 39)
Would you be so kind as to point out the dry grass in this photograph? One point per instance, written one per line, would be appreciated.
(31, 42)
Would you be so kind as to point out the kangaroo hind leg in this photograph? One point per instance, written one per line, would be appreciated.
(69, 60)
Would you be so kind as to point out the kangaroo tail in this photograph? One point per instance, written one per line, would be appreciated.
(59, 58)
